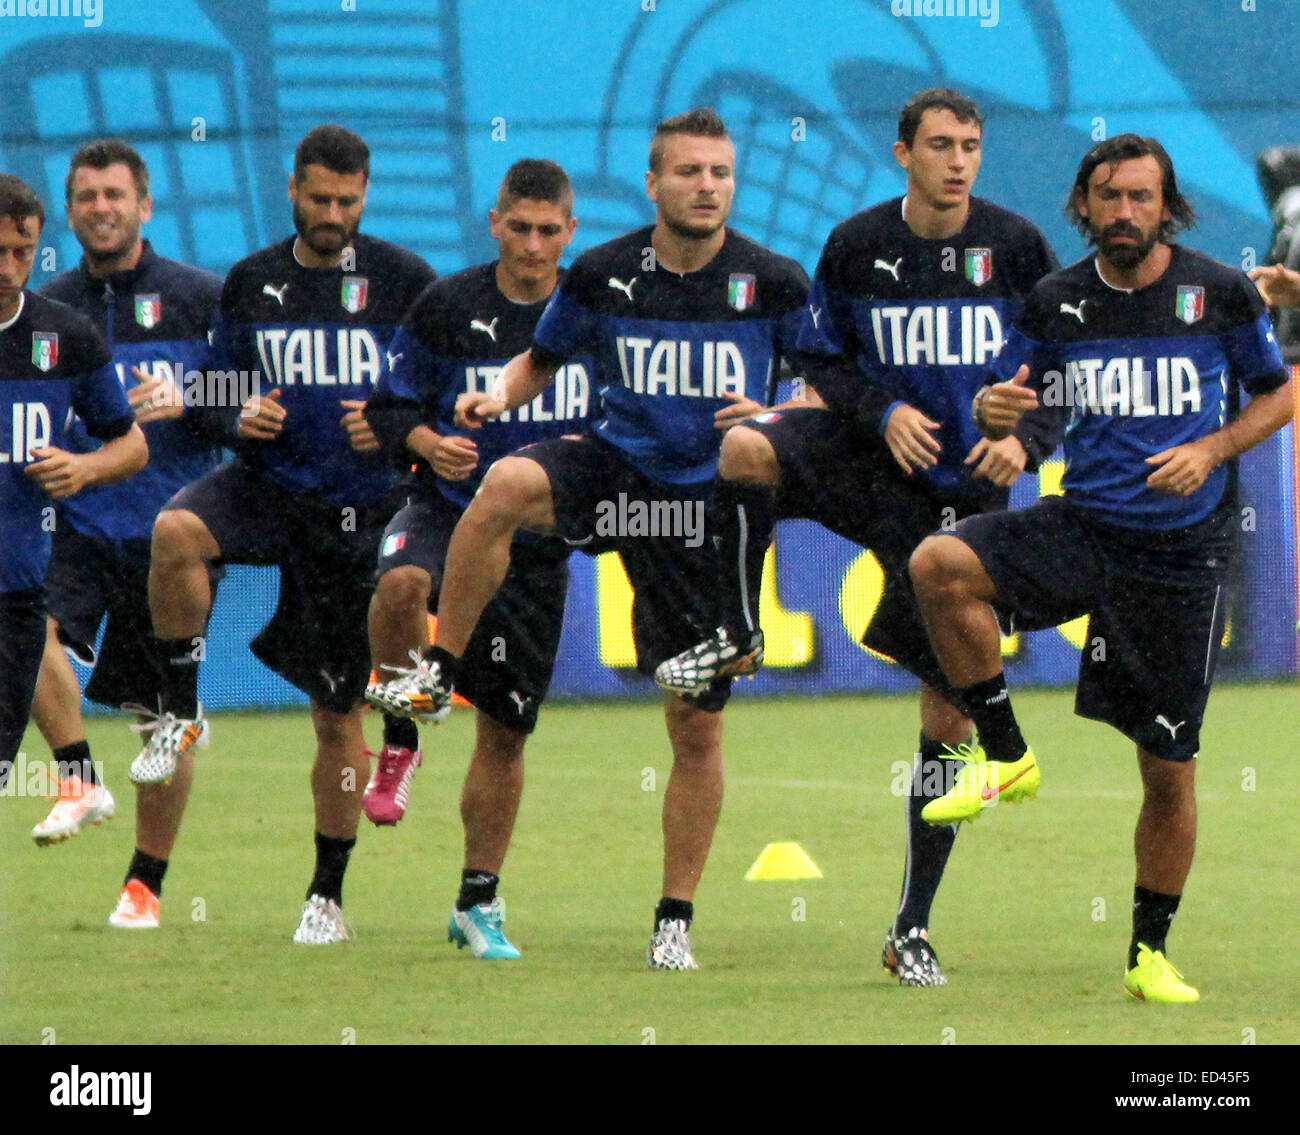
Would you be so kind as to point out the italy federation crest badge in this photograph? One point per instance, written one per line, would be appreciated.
(45, 350)
(1190, 304)
(742, 287)
(979, 266)
(355, 291)
(148, 311)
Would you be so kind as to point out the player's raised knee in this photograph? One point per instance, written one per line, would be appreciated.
(179, 536)
(515, 488)
(748, 456)
(403, 587)
(938, 564)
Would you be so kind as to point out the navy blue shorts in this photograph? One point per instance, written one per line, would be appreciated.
(316, 639)
(850, 484)
(511, 654)
(22, 642)
(601, 503)
(1156, 601)
(92, 579)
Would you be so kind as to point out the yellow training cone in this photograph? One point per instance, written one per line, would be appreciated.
(783, 861)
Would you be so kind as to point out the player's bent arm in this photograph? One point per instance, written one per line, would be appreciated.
(63, 474)
(450, 456)
(1182, 470)
(997, 409)
(120, 458)
(521, 380)
(1263, 416)
(999, 462)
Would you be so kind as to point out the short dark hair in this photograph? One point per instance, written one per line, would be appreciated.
(18, 201)
(936, 98)
(1121, 148)
(535, 179)
(703, 122)
(334, 147)
(105, 152)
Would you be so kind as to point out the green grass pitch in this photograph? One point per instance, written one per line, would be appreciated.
(1031, 924)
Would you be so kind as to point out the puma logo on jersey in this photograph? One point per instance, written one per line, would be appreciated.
(626, 289)
(392, 358)
(267, 290)
(1077, 312)
(1161, 719)
(489, 329)
(893, 268)
(816, 314)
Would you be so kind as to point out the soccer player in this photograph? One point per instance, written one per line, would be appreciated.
(454, 341)
(907, 309)
(1139, 352)
(308, 491)
(53, 363)
(688, 320)
(155, 314)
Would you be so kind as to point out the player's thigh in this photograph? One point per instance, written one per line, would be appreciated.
(249, 518)
(417, 537)
(507, 666)
(834, 473)
(76, 588)
(127, 669)
(516, 492)
(22, 642)
(580, 474)
(317, 637)
(1149, 662)
(1044, 566)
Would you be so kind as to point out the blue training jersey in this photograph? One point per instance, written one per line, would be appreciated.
(319, 336)
(1132, 373)
(155, 316)
(456, 339)
(894, 318)
(53, 366)
(671, 347)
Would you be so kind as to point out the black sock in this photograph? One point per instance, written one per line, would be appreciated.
(1152, 915)
(331, 861)
(928, 847)
(743, 518)
(989, 705)
(401, 732)
(476, 888)
(148, 870)
(179, 665)
(74, 760)
(674, 909)
(449, 663)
